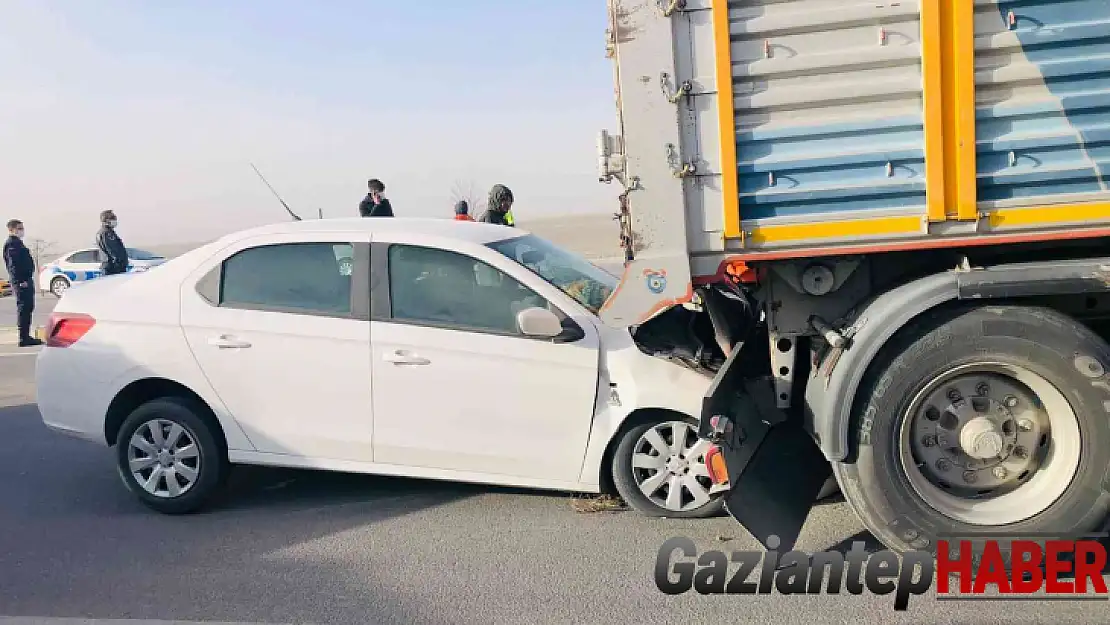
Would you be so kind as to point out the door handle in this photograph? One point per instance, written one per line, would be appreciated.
(400, 357)
(228, 342)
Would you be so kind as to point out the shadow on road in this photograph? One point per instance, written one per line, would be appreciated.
(75, 543)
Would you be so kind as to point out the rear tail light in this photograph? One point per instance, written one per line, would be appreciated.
(65, 329)
(715, 464)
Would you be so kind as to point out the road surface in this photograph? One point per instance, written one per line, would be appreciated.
(44, 304)
(301, 547)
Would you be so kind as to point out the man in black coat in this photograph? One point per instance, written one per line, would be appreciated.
(499, 207)
(375, 204)
(21, 271)
(112, 250)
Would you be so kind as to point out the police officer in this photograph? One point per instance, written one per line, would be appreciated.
(21, 270)
(111, 247)
(500, 206)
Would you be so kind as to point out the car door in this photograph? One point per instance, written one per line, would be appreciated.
(283, 336)
(457, 386)
(83, 265)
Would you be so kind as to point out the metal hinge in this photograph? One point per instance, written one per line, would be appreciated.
(685, 89)
(669, 7)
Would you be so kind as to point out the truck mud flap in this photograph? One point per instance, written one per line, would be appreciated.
(775, 468)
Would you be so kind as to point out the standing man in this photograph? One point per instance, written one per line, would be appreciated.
(111, 247)
(21, 271)
(375, 204)
(462, 211)
(500, 206)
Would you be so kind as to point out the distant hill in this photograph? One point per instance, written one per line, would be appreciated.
(593, 236)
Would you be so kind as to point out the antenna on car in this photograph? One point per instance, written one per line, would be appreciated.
(265, 182)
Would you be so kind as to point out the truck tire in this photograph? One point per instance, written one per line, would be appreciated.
(147, 459)
(960, 383)
(659, 466)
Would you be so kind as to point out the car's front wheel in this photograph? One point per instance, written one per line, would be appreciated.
(58, 286)
(169, 457)
(659, 470)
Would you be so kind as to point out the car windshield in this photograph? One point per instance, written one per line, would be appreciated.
(136, 254)
(587, 283)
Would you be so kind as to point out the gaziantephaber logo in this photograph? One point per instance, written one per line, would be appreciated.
(1060, 570)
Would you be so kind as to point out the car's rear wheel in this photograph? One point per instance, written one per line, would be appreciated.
(169, 457)
(58, 286)
(659, 470)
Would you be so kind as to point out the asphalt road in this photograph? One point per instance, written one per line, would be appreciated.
(301, 547)
(44, 304)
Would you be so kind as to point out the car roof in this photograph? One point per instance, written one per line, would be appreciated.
(474, 232)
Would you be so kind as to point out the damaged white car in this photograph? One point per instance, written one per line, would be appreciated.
(441, 349)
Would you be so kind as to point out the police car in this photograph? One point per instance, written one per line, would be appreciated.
(82, 265)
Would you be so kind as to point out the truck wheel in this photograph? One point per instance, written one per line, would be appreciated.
(169, 457)
(659, 470)
(989, 420)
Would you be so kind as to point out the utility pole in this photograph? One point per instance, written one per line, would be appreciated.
(41, 250)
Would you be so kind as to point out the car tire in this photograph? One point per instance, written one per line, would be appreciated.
(58, 286)
(198, 471)
(893, 483)
(679, 466)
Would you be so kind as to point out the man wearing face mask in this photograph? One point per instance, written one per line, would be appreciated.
(21, 271)
(112, 251)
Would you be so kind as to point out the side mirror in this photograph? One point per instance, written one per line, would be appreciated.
(539, 322)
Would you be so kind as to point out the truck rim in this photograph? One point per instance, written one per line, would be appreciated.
(990, 444)
(668, 464)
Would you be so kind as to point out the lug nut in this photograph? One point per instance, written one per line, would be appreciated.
(1025, 425)
(1000, 472)
(943, 464)
(954, 395)
(970, 477)
(983, 389)
(1010, 401)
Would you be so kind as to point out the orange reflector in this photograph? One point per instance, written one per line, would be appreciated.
(715, 464)
(740, 271)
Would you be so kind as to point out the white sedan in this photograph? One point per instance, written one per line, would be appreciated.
(441, 349)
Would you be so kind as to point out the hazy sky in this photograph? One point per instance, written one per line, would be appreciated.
(156, 108)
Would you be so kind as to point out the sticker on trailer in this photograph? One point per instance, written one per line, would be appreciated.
(656, 280)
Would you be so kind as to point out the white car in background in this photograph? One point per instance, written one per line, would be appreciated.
(442, 349)
(81, 265)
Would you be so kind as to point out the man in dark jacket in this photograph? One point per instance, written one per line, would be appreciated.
(499, 208)
(375, 204)
(112, 250)
(21, 271)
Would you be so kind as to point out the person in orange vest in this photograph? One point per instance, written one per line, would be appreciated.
(462, 211)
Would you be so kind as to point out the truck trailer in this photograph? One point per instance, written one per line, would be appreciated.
(884, 228)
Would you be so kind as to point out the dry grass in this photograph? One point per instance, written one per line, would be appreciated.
(600, 503)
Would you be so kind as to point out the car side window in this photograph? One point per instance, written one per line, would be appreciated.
(87, 256)
(312, 278)
(442, 288)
